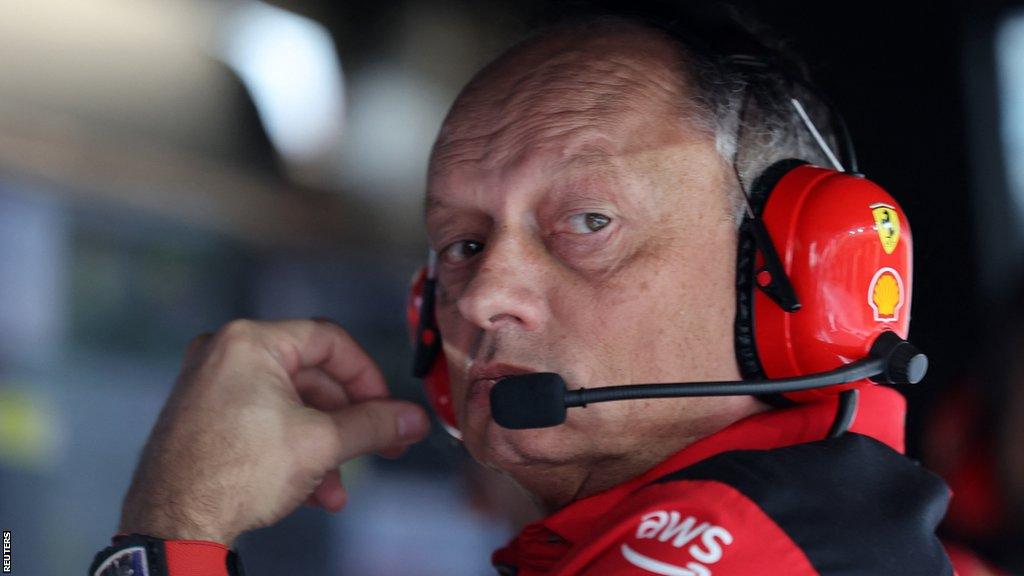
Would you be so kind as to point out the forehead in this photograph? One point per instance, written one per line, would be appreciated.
(580, 100)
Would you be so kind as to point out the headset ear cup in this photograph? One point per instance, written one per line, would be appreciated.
(845, 245)
(747, 357)
(437, 385)
(436, 382)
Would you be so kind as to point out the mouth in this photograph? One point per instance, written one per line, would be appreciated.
(483, 378)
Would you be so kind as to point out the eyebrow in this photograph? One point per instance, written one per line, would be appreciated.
(588, 157)
(435, 203)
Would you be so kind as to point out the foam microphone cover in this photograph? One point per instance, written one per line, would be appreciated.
(529, 401)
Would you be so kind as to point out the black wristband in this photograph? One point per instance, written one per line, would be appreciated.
(132, 555)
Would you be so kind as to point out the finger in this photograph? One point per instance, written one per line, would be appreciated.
(377, 425)
(331, 494)
(318, 390)
(302, 344)
(392, 453)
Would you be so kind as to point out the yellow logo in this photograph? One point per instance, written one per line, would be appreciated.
(887, 222)
(885, 295)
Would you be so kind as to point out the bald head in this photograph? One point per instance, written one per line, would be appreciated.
(607, 76)
(617, 75)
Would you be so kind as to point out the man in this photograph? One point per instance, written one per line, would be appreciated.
(583, 203)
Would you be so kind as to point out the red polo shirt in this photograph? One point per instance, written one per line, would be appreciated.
(721, 520)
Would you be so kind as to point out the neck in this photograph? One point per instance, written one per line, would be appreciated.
(552, 486)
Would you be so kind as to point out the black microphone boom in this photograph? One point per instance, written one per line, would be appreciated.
(540, 400)
(849, 373)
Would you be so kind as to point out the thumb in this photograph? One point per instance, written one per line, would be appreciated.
(376, 425)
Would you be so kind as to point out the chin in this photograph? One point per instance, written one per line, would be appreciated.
(505, 449)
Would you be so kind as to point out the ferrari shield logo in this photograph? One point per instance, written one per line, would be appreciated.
(887, 222)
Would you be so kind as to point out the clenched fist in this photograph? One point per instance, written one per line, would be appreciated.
(261, 416)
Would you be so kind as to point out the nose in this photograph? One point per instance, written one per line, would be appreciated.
(506, 288)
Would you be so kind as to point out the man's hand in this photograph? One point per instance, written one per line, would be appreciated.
(259, 420)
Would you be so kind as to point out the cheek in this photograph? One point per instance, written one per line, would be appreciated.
(664, 317)
(604, 323)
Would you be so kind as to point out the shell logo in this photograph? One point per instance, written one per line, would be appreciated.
(885, 295)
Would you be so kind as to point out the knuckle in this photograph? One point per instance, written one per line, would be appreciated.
(330, 324)
(237, 335)
(238, 329)
(234, 345)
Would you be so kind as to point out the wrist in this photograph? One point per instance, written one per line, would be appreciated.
(165, 523)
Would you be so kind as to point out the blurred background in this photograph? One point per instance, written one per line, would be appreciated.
(166, 166)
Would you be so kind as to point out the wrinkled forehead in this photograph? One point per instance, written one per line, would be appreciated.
(570, 93)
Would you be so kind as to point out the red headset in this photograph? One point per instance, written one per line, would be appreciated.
(845, 245)
(430, 363)
(840, 277)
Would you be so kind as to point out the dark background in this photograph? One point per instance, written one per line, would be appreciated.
(122, 234)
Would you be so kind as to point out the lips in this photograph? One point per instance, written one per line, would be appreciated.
(482, 379)
(497, 371)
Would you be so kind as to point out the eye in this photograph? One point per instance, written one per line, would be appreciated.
(588, 222)
(460, 250)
